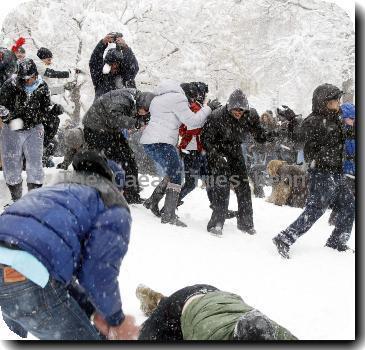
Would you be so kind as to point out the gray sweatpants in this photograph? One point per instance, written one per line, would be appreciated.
(15, 144)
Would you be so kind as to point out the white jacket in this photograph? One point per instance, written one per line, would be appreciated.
(169, 109)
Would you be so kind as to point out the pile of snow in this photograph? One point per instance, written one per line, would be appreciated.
(313, 294)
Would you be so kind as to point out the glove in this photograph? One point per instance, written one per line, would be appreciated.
(214, 104)
(286, 113)
(57, 109)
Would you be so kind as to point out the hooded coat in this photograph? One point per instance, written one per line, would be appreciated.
(112, 112)
(76, 231)
(169, 110)
(322, 132)
(106, 82)
(223, 134)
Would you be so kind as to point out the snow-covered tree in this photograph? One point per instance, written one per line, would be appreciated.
(277, 51)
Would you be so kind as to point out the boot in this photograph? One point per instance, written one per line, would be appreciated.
(282, 247)
(172, 196)
(32, 186)
(338, 241)
(149, 299)
(216, 230)
(248, 230)
(158, 193)
(16, 191)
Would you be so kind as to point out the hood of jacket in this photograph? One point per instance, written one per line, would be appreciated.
(321, 95)
(143, 99)
(237, 100)
(168, 86)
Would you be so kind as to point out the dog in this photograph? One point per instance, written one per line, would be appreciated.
(290, 184)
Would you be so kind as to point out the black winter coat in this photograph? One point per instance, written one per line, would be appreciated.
(322, 133)
(222, 136)
(105, 82)
(112, 112)
(33, 109)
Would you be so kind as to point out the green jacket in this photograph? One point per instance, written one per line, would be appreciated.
(214, 317)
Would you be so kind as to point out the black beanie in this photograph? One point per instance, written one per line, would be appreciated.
(44, 53)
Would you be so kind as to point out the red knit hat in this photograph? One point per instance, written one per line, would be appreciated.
(18, 44)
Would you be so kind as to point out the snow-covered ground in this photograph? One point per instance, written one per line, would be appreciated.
(313, 294)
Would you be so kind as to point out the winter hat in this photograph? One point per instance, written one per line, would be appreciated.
(191, 90)
(44, 53)
(238, 100)
(255, 326)
(348, 110)
(18, 46)
(113, 56)
(74, 138)
(92, 162)
(26, 69)
(143, 99)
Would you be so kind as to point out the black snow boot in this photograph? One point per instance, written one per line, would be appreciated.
(158, 193)
(335, 242)
(216, 230)
(32, 186)
(168, 215)
(16, 191)
(282, 247)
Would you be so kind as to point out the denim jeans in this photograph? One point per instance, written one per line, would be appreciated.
(167, 160)
(195, 167)
(48, 313)
(325, 189)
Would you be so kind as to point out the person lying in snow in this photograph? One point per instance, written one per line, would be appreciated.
(61, 248)
(203, 312)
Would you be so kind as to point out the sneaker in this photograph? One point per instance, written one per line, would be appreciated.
(216, 231)
(282, 247)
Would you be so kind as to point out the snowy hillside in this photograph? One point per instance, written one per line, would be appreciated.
(277, 51)
(313, 294)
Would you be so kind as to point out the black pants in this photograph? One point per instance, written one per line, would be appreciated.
(116, 147)
(222, 176)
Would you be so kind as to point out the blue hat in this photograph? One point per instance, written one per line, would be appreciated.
(119, 174)
(348, 110)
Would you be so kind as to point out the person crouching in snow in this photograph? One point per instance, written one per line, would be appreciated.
(169, 110)
(323, 135)
(203, 312)
(63, 241)
(26, 97)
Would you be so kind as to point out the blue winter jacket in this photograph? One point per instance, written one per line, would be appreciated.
(74, 234)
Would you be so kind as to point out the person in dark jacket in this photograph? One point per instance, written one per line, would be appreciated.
(203, 312)
(222, 136)
(104, 123)
(117, 69)
(27, 99)
(8, 64)
(323, 135)
(64, 240)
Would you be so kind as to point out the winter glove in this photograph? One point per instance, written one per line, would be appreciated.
(286, 113)
(57, 109)
(214, 104)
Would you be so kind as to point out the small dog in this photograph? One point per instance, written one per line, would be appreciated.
(289, 184)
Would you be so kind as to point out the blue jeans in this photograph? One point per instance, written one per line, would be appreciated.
(167, 160)
(195, 167)
(48, 313)
(325, 189)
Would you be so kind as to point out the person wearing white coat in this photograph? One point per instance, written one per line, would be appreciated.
(169, 109)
